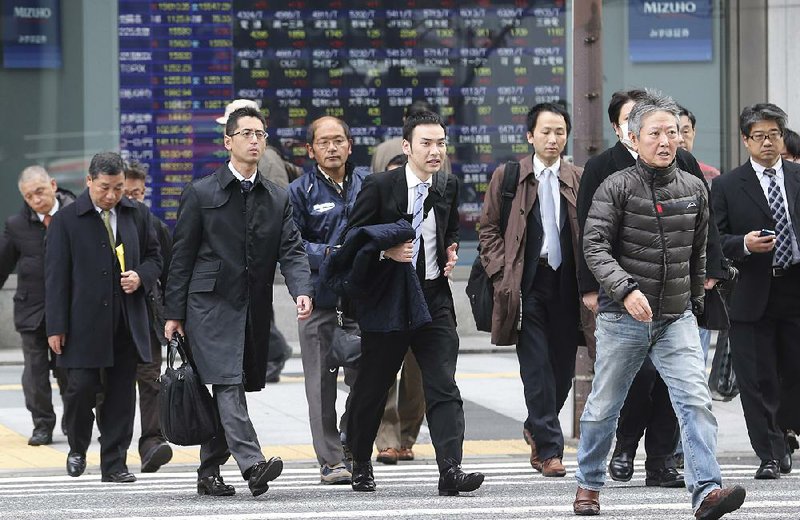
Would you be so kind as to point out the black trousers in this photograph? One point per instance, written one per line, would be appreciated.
(435, 347)
(36, 386)
(546, 356)
(117, 384)
(648, 411)
(147, 375)
(765, 353)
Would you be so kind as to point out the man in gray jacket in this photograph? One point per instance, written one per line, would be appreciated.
(644, 241)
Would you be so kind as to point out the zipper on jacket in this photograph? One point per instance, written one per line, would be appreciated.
(657, 209)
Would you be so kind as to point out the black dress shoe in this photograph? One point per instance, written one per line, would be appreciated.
(214, 486)
(363, 479)
(791, 445)
(621, 467)
(262, 473)
(768, 470)
(156, 457)
(40, 438)
(665, 477)
(76, 464)
(119, 477)
(453, 481)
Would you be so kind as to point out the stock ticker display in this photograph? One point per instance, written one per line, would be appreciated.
(481, 64)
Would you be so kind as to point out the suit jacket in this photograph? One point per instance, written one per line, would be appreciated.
(22, 246)
(224, 255)
(617, 158)
(383, 199)
(80, 274)
(503, 257)
(739, 208)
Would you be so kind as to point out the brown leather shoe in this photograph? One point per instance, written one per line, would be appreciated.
(587, 503)
(719, 502)
(387, 456)
(553, 467)
(405, 454)
(535, 462)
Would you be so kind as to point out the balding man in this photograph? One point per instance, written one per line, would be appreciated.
(22, 244)
(321, 201)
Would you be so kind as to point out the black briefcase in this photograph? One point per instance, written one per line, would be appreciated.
(187, 411)
(345, 349)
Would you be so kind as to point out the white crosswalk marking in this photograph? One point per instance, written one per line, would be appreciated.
(511, 490)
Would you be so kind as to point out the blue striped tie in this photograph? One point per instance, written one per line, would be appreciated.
(783, 237)
(416, 222)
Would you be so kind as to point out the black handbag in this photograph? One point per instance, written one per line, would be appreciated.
(715, 311)
(722, 379)
(480, 289)
(345, 350)
(187, 411)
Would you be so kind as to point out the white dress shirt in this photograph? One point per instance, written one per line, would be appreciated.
(112, 219)
(238, 175)
(428, 225)
(764, 181)
(52, 212)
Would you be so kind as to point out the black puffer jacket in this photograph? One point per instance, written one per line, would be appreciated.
(647, 230)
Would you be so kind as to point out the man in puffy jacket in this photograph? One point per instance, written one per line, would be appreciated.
(644, 241)
(321, 202)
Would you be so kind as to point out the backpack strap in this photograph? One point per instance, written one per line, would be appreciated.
(508, 192)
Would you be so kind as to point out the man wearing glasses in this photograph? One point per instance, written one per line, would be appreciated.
(233, 228)
(757, 208)
(322, 200)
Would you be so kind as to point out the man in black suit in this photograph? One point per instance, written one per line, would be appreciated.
(22, 246)
(102, 257)
(233, 228)
(411, 193)
(153, 448)
(757, 207)
(647, 410)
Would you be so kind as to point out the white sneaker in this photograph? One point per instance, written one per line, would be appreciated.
(336, 474)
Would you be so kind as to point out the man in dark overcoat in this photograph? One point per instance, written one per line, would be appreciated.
(101, 258)
(22, 247)
(233, 228)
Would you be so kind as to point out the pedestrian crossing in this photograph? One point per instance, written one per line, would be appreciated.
(511, 490)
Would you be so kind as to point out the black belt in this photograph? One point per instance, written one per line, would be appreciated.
(777, 272)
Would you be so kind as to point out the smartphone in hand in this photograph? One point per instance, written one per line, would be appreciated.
(767, 233)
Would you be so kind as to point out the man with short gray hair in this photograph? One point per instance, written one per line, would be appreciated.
(22, 245)
(644, 241)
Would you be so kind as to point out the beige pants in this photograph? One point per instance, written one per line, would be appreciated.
(405, 409)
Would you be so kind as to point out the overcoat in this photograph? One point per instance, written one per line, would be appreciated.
(80, 273)
(225, 250)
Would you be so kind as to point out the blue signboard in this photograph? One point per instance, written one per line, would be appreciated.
(31, 34)
(670, 31)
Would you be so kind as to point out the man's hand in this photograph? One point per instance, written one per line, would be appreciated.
(758, 244)
(57, 342)
(637, 305)
(403, 252)
(304, 307)
(171, 327)
(452, 258)
(709, 283)
(130, 281)
(590, 301)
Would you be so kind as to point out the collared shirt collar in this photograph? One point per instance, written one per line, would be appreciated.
(52, 212)
(239, 176)
(100, 210)
(539, 167)
(412, 180)
(340, 186)
(778, 167)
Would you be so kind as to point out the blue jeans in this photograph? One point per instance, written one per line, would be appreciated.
(674, 346)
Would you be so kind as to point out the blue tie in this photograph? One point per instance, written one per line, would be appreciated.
(783, 237)
(549, 222)
(416, 221)
(247, 186)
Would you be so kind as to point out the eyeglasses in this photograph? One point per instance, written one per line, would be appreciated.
(248, 134)
(324, 144)
(773, 136)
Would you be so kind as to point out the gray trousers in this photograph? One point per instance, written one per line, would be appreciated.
(405, 408)
(316, 334)
(236, 434)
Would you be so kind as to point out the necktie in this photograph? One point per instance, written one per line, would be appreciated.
(46, 220)
(247, 186)
(418, 213)
(106, 216)
(549, 222)
(783, 237)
